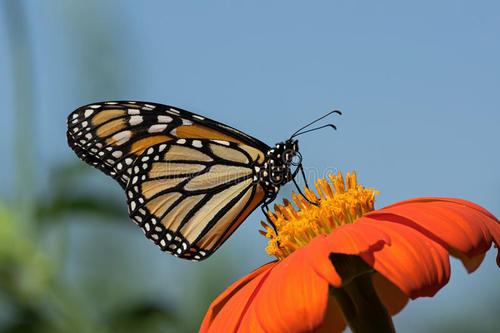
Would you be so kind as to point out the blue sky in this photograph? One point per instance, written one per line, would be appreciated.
(418, 84)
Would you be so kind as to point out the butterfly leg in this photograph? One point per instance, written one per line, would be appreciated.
(303, 175)
(265, 210)
(300, 191)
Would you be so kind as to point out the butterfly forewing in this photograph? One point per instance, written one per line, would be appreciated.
(189, 195)
(190, 181)
(111, 135)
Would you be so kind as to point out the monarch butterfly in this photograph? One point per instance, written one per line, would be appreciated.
(190, 181)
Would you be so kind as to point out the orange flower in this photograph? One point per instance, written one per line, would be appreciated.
(404, 248)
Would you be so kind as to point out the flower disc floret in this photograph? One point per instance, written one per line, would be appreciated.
(337, 203)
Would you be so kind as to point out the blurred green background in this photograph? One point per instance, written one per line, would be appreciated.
(418, 84)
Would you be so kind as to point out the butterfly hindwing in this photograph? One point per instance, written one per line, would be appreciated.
(189, 195)
(111, 135)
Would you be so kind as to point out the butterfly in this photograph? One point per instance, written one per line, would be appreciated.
(189, 181)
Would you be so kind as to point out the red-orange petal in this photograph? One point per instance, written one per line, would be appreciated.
(226, 311)
(293, 298)
(455, 200)
(285, 296)
(462, 225)
(346, 239)
(415, 263)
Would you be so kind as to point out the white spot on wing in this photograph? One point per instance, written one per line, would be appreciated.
(186, 122)
(122, 137)
(197, 144)
(222, 142)
(135, 120)
(88, 112)
(157, 128)
(164, 119)
(117, 154)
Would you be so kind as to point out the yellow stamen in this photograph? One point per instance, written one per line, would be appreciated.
(339, 203)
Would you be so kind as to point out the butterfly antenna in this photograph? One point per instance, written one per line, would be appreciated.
(315, 121)
(315, 129)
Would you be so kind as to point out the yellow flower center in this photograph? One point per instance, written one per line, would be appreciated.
(339, 203)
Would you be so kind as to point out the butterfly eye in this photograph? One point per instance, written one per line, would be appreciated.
(296, 159)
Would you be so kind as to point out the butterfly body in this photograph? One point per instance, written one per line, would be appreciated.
(189, 181)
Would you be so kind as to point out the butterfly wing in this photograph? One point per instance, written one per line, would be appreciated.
(189, 195)
(190, 181)
(111, 135)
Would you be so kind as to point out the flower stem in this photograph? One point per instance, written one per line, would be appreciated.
(358, 299)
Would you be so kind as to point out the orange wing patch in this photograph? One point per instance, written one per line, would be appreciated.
(196, 131)
(106, 115)
(111, 127)
(141, 145)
